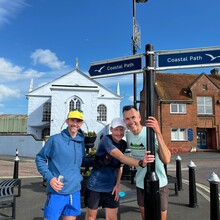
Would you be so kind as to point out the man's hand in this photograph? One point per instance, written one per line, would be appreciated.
(55, 184)
(116, 192)
(148, 158)
(153, 123)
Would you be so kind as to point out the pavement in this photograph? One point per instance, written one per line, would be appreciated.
(33, 193)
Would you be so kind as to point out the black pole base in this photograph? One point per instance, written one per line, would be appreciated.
(193, 205)
(152, 197)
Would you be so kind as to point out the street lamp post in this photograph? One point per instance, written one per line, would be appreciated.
(135, 42)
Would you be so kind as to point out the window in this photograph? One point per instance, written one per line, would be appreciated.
(177, 108)
(102, 113)
(45, 132)
(204, 105)
(75, 103)
(178, 134)
(204, 87)
(46, 111)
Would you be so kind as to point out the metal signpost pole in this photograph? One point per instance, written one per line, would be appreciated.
(151, 181)
(134, 52)
(136, 42)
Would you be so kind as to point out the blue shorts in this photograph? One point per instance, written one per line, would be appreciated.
(57, 205)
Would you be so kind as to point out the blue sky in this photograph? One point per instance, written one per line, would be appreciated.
(41, 39)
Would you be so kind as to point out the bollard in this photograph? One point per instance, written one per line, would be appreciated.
(214, 197)
(16, 165)
(192, 186)
(179, 173)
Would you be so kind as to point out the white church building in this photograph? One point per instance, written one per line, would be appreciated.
(49, 105)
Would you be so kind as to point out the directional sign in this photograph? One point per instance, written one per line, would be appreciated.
(119, 66)
(189, 58)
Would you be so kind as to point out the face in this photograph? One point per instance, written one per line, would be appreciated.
(74, 125)
(117, 133)
(132, 120)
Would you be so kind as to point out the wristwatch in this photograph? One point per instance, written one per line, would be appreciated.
(140, 163)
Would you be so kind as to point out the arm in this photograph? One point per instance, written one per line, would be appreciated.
(148, 158)
(163, 152)
(42, 166)
(117, 185)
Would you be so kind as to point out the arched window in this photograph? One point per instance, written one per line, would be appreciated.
(45, 132)
(102, 113)
(46, 111)
(75, 103)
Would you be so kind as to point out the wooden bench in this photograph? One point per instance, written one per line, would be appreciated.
(9, 190)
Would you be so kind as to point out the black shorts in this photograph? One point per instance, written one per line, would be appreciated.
(100, 199)
(164, 193)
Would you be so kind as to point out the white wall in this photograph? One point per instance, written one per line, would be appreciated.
(27, 146)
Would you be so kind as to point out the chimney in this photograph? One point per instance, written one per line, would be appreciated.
(214, 72)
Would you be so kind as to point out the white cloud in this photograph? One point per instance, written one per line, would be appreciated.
(6, 92)
(131, 98)
(47, 58)
(9, 9)
(12, 72)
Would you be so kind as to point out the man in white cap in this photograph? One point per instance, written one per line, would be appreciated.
(62, 155)
(104, 181)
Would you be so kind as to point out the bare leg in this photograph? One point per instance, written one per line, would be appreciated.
(164, 215)
(111, 214)
(68, 218)
(142, 212)
(91, 214)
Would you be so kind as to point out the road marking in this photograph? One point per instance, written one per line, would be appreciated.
(206, 188)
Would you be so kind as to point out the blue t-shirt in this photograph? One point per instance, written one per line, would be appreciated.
(104, 174)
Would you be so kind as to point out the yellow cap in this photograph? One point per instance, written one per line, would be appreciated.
(76, 114)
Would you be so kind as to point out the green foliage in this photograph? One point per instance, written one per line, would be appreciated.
(90, 134)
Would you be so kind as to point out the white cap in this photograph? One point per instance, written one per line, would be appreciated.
(116, 122)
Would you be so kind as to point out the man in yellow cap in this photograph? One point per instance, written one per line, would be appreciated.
(62, 155)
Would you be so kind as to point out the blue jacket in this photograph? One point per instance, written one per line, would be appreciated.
(62, 155)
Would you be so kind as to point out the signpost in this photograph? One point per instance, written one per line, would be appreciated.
(176, 59)
(188, 58)
(119, 66)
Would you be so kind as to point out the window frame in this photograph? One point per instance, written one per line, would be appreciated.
(179, 106)
(46, 112)
(204, 105)
(102, 113)
(179, 135)
(75, 104)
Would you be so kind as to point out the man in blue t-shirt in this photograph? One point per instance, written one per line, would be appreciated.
(104, 181)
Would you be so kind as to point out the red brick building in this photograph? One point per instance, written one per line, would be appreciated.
(187, 107)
